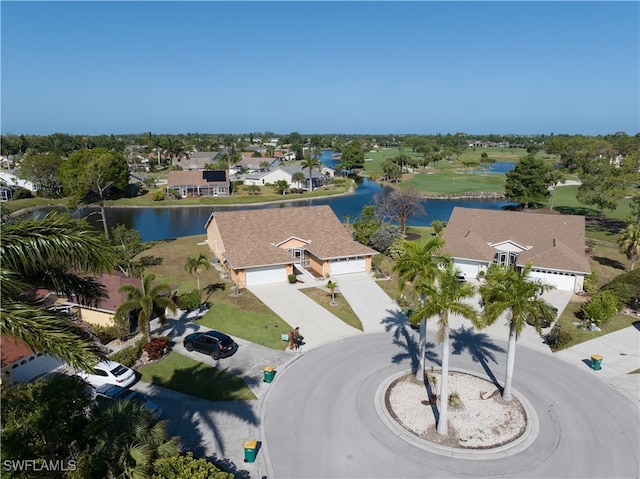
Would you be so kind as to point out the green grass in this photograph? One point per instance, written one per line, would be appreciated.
(194, 378)
(447, 181)
(566, 202)
(341, 310)
(260, 328)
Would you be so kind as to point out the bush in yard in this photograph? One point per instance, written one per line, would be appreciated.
(382, 239)
(156, 348)
(600, 308)
(158, 195)
(626, 287)
(129, 355)
(591, 283)
(191, 300)
(185, 466)
(292, 278)
(105, 334)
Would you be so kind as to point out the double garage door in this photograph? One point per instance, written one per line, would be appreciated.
(563, 282)
(346, 266)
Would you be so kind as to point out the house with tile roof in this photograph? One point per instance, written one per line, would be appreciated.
(19, 363)
(318, 177)
(553, 244)
(198, 160)
(266, 245)
(198, 183)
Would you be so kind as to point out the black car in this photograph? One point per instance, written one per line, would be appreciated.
(217, 345)
(114, 392)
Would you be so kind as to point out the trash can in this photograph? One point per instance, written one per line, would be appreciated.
(409, 313)
(596, 361)
(268, 374)
(249, 450)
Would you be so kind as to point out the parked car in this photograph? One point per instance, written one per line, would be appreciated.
(109, 372)
(214, 343)
(111, 392)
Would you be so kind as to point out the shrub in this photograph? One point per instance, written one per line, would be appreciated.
(156, 348)
(558, 338)
(384, 237)
(600, 308)
(190, 300)
(158, 195)
(105, 334)
(129, 355)
(591, 285)
(292, 278)
(185, 466)
(626, 287)
(22, 193)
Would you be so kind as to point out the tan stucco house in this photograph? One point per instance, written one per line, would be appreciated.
(263, 246)
(554, 244)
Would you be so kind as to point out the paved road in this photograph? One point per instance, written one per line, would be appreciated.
(320, 418)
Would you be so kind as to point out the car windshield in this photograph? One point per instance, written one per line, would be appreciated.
(119, 370)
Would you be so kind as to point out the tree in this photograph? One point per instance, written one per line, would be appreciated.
(124, 440)
(127, 243)
(445, 296)
(332, 286)
(391, 170)
(352, 156)
(43, 170)
(366, 224)
(185, 466)
(281, 187)
(298, 177)
(528, 183)
(555, 177)
(399, 205)
(382, 239)
(44, 419)
(60, 254)
(89, 175)
(487, 162)
(601, 307)
(149, 299)
(509, 290)
(420, 262)
(196, 264)
(629, 243)
(310, 162)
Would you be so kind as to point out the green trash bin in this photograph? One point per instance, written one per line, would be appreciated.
(596, 362)
(250, 446)
(268, 374)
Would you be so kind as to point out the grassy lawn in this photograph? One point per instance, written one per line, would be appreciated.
(447, 181)
(194, 378)
(342, 310)
(607, 262)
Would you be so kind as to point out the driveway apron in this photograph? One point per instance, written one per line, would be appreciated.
(317, 325)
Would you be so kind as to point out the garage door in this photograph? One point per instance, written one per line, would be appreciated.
(469, 270)
(266, 275)
(563, 282)
(345, 266)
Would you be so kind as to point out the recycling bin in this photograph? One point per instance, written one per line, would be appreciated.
(268, 374)
(250, 446)
(596, 362)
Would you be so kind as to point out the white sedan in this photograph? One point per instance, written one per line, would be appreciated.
(109, 372)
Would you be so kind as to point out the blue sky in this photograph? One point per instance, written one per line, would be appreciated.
(320, 67)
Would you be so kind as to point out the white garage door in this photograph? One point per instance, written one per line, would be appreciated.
(345, 266)
(266, 275)
(563, 282)
(468, 269)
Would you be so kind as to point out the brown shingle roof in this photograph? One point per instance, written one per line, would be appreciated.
(193, 177)
(251, 237)
(553, 241)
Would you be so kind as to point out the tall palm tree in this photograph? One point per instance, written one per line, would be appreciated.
(123, 440)
(630, 243)
(149, 299)
(420, 262)
(196, 264)
(60, 254)
(310, 162)
(509, 290)
(444, 297)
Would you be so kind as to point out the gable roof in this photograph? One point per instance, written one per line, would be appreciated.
(198, 178)
(553, 241)
(251, 237)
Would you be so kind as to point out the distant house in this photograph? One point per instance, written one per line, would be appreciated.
(286, 173)
(199, 159)
(265, 246)
(250, 164)
(198, 183)
(553, 244)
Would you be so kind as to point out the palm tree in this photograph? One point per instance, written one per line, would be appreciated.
(332, 286)
(630, 243)
(297, 177)
(310, 162)
(123, 440)
(420, 262)
(509, 290)
(444, 297)
(150, 299)
(60, 254)
(195, 264)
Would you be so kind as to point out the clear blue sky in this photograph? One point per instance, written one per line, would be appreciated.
(326, 67)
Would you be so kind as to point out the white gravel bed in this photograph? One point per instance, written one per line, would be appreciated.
(481, 421)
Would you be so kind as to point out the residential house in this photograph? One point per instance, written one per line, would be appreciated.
(286, 173)
(198, 160)
(553, 244)
(265, 246)
(253, 164)
(19, 363)
(199, 183)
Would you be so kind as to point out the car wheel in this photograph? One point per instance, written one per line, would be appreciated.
(215, 355)
(188, 347)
